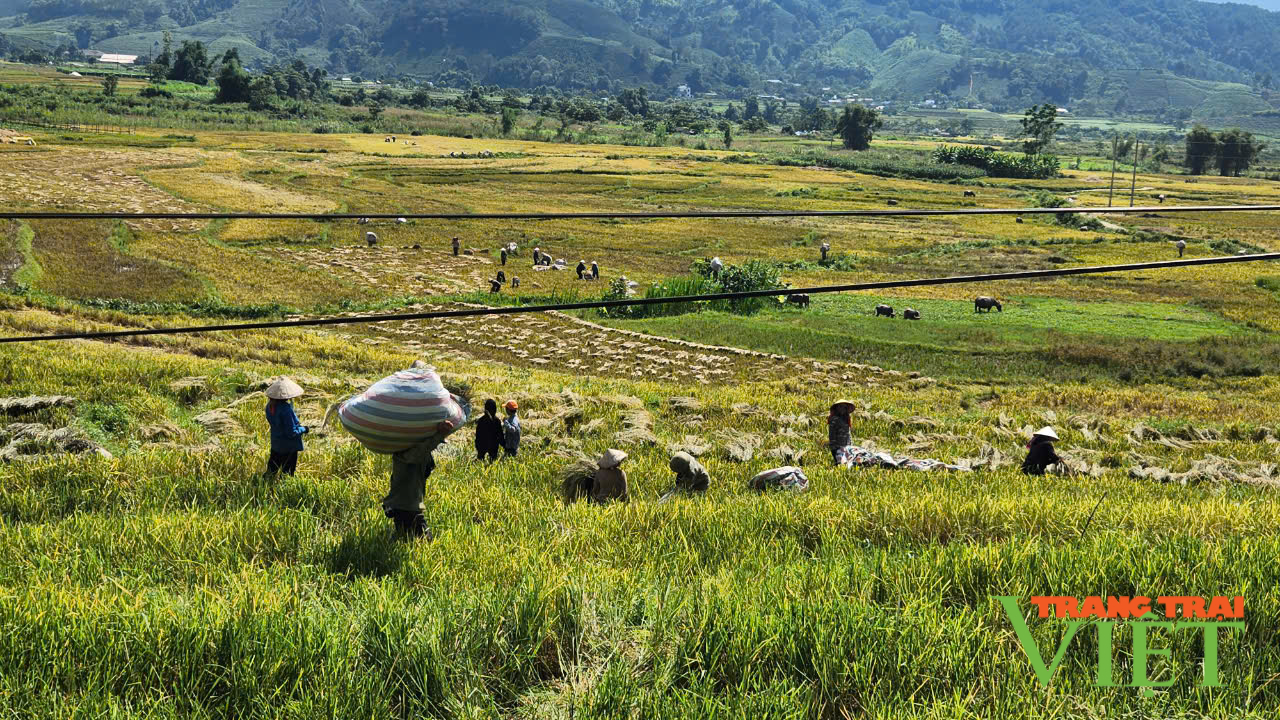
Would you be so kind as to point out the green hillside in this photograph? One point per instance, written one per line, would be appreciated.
(1169, 57)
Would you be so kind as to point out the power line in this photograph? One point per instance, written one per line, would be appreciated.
(892, 212)
(479, 312)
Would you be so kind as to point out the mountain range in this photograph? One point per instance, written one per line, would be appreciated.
(1176, 57)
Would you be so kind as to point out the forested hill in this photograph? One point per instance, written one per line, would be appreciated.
(1002, 52)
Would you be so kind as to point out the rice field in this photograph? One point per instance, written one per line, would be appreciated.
(155, 573)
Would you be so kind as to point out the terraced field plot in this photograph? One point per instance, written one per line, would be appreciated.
(172, 580)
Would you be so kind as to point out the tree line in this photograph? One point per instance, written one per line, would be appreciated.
(1232, 150)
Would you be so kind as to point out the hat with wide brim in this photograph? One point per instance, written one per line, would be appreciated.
(846, 404)
(284, 389)
(1047, 432)
(611, 459)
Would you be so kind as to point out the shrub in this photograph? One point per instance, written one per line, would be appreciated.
(998, 164)
(896, 165)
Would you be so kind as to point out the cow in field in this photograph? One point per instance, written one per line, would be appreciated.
(986, 303)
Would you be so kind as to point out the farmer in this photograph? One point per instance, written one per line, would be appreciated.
(502, 277)
(286, 431)
(371, 238)
(1040, 454)
(691, 477)
(511, 430)
(840, 428)
(457, 246)
(826, 248)
(409, 472)
(1182, 247)
(716, 266)
(489, 432)
(595, 270)
(494, 285)
(504, 256)
(537, 256)
(582, 268)
(515, 282)
(610, 479)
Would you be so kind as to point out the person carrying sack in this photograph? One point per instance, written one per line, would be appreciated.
(286, 431)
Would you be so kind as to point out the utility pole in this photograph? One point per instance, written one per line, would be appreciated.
(1112, 191)
(1133, 186)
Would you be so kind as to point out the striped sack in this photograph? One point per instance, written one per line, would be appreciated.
(400, 411)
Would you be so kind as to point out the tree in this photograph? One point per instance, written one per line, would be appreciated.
(1202, 146)
(262, 94)
(755, 124)
(191, 64)
(662, 73)
(857, 125)
(635, 100)
(509, 115)
(109, 84)
(84, 35)
(1236, 151)
(1039, 125)
(1122, 148)
(752, 108)
(233, 82)
(727, 128)
(731, 113)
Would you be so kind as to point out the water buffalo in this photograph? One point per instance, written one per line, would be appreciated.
(799, 300)
(884, 311)
(970, 193)
(910, 314)
(986, 303)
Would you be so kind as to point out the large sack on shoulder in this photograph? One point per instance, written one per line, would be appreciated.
(400, 411)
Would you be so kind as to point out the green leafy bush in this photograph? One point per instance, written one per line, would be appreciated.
(998, 164)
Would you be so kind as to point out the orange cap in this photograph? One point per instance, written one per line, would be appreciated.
(512, 405)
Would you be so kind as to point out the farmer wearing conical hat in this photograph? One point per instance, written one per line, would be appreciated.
(691, 477)
(286, 431)
(611, 480)
(582, 268)
(840, 428)
(1040, 453)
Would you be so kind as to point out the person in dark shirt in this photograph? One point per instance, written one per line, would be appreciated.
(582, 269)
(489, 433)
(1040, 454)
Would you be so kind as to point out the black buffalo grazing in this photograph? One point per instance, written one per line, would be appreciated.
(910, 314)
(798, 299)
(986, 303)
(884, 311)
(970, 193)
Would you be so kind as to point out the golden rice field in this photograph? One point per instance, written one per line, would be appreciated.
(165, 577)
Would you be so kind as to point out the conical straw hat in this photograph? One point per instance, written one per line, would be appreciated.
(284, 389)
(612, 459)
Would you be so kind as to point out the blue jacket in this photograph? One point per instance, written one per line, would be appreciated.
(511, 433)
(286, 431)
